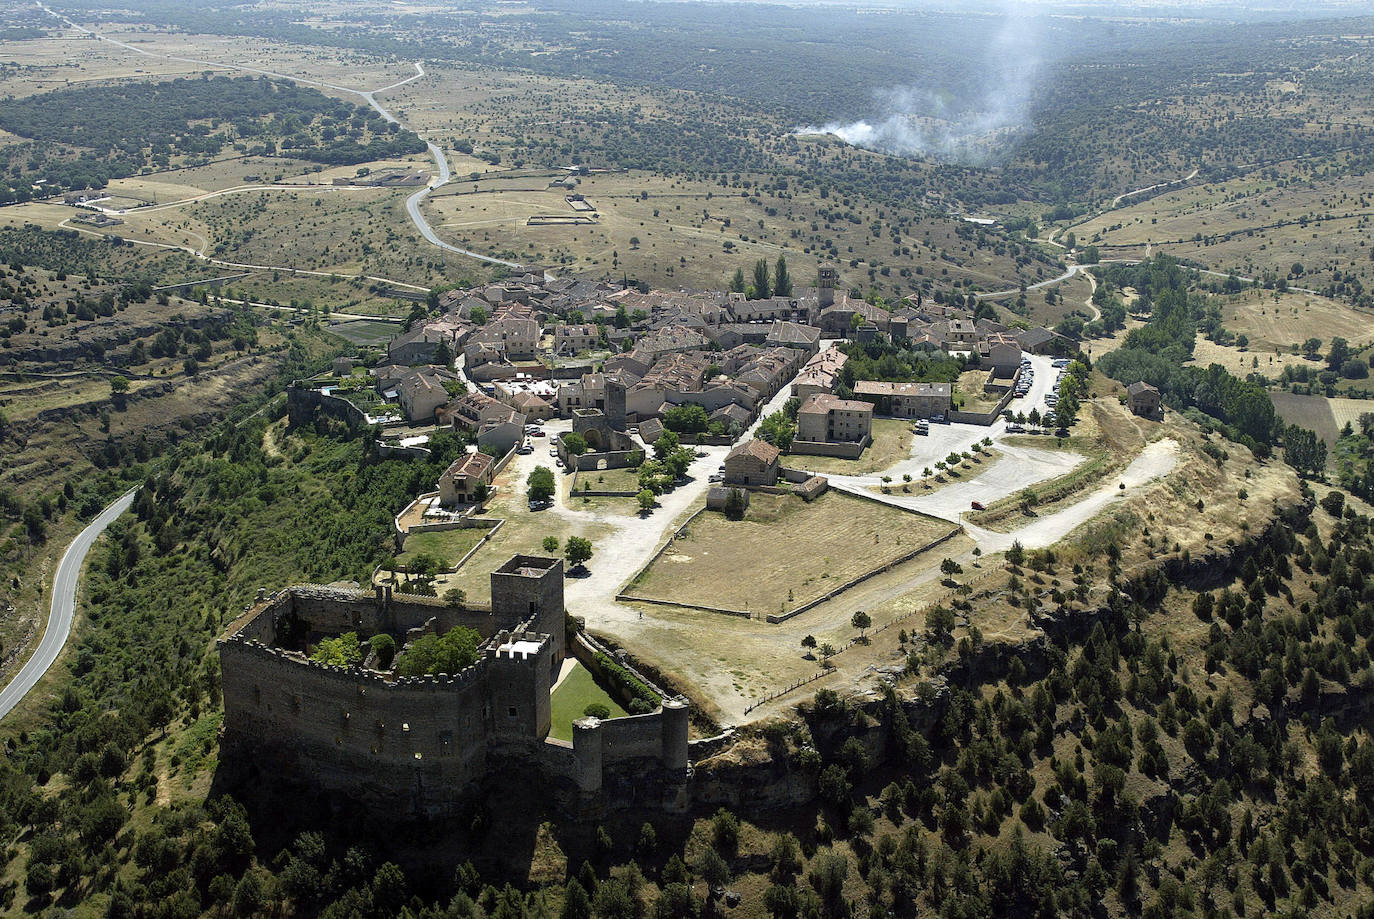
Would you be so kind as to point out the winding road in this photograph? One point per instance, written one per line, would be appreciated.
(63, 606)
(367, 95)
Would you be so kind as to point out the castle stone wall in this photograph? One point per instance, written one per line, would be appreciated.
(407, 747)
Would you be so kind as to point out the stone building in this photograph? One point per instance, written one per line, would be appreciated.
(406, 747)
(754, 462)
(1144, 400)
(824, 418)
(906, 400)
(466, 479)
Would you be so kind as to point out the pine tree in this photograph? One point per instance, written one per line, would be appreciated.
(737, 282)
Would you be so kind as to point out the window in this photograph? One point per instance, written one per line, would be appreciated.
(512, 711)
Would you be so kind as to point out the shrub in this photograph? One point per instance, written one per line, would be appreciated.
(385, 647)
(626, 683)
(343, 651)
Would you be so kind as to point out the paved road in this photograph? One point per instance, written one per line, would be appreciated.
(63, 606)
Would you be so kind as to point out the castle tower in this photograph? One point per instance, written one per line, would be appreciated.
(828, 280)
(530, 587)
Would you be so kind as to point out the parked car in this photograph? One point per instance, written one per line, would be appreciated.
(978, 505)
(525, 450)
(537, 433)
(553, 451)
(702, 454)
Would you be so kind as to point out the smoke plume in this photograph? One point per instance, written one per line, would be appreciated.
(971, 127)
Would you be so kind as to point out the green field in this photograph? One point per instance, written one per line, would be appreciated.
(366, 331)
(449, 546)
(571, 699)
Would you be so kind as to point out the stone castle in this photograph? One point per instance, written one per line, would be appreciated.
(422, 746)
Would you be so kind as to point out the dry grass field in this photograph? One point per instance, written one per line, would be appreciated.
(1252, 224)
(784, 553)
(1274, 320)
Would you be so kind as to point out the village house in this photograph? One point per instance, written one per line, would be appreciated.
(754, 462)
(517, 339)
(467, 479)
(838, 319)
(905, 400)
(825, 418)
(1144, 400)
(676, 373)
(1000, 353)
(494, 424)
(767, 310)
(962, 335)
(601, 391)
(421, 344)
(572, 339)
(804, 338)
(631, 366)
(671, 340)
(1042, 341)
(421, 392)
(820, 374)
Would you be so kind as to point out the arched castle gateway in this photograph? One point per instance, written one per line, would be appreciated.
(417, 746)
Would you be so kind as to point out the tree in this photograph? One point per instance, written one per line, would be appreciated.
(578, 551)
(384, 646)
(574, 443)
(550, 544)
(119, 385)
(762, 289)
(576, 903)
(1339, 353)
(191, 366)
(646, 499)
(1312, 347)
(451, 653)
(1304, 450)
(443, 355)
(861, 621)
(782, 281)
(809, 643)
(734, 505)
(341, 651)
(940, 621)
(690, 418)
(737, 282)
(540, 485)
(827, 876)
(665, 445)
(478, 315)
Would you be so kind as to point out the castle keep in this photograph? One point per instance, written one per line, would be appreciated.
(419, 746)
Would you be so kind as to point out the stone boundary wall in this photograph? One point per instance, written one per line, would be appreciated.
(983, 418)
(812, 604)
(591, 462)
(847, 450)
(663, 548)
(386, 449)
(585, 648)
(574, 491)
(721, 610)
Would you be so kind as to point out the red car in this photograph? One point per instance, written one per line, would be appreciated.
(978, 506)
